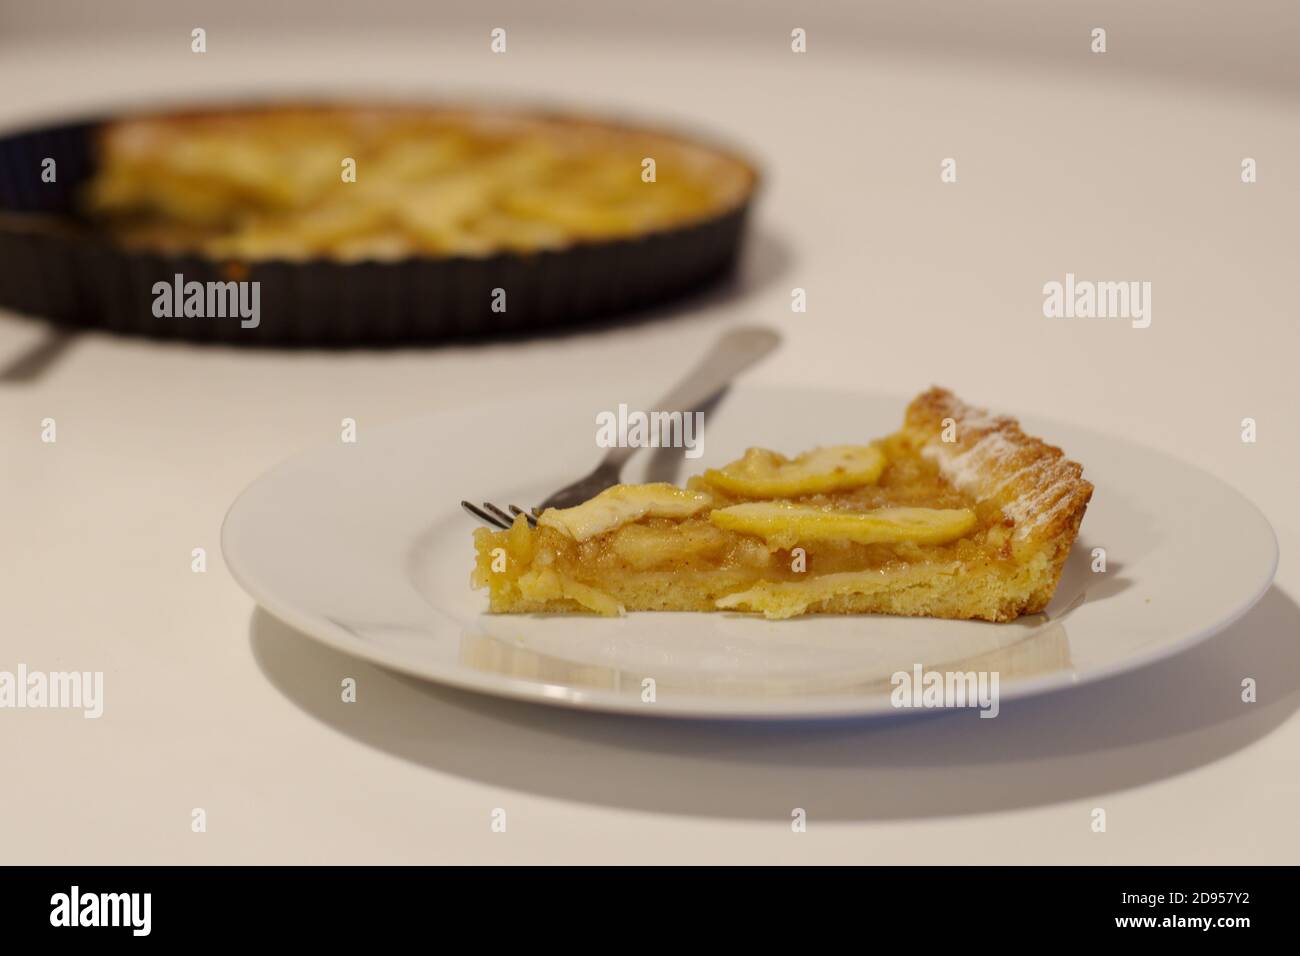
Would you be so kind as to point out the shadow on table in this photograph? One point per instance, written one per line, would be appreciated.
(1158, 722)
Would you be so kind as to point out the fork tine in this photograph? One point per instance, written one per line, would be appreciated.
(516, 510)
(507, 519)
(484, 516)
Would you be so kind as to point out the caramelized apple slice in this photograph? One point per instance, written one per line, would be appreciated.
(767, 474)
(782, 524)
(623, 504)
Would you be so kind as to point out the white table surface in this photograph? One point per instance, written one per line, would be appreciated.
(1086, 167)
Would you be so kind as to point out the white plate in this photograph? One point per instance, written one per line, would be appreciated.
(364, 547)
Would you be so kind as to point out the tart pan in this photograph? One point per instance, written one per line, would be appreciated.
(54, 263)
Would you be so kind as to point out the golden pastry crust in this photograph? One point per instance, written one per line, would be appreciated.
(1041, 492)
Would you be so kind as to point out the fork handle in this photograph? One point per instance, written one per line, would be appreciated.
(733, 353)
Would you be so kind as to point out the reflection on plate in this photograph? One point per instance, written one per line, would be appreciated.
(1045, 650)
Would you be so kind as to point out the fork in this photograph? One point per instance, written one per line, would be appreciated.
(732, 354)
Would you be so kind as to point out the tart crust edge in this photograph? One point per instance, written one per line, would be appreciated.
(1041, 491)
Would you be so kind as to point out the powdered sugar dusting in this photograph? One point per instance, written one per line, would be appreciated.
(1042, 505)
(965, 468)
(989, 465)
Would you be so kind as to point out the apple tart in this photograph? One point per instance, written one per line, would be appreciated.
(958, 514)
(363, 222)
(384, 183)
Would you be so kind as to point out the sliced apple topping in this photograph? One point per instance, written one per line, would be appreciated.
(783, 525)
(623, 504)
(767, 474)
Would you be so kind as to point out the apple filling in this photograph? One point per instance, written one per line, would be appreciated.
(764, 533)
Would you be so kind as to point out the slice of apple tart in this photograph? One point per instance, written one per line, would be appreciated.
(957, 515)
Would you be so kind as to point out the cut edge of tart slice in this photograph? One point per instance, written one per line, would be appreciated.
(959, 514)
